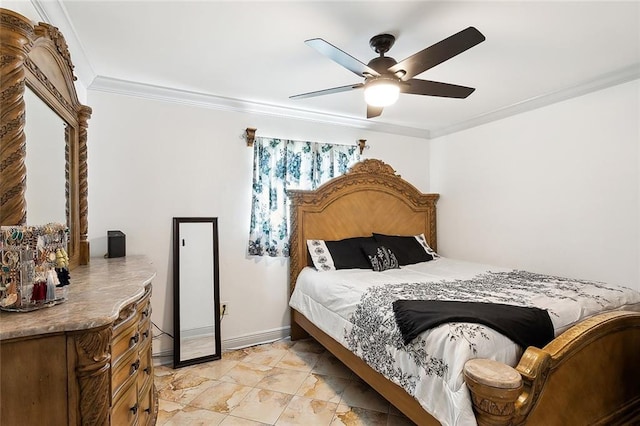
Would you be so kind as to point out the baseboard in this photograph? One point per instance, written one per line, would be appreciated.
(197, 332)
(233, 343)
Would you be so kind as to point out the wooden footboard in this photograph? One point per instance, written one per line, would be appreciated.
(589, 375)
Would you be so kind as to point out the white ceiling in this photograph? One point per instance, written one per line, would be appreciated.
(252, 55)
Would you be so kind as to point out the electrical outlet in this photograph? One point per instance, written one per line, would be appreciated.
(224, 308)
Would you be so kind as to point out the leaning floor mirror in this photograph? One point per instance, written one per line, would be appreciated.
(196, 298)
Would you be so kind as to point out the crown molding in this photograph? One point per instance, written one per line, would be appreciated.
(623, 75)
(203, 100)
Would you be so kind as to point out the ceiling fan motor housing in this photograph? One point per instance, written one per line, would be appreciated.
(381, 43)
(382, 64)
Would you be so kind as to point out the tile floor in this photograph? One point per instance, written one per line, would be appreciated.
(282, 383)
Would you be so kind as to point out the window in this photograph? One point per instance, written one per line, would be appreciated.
(280, 165)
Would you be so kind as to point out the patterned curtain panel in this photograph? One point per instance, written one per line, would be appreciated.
(280, 165)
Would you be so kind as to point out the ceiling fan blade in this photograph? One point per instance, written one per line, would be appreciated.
(328, 91)
(373, 111)
(437, 53)
(342, 58)
(435, 88)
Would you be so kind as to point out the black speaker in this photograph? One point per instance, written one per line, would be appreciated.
(117, 244)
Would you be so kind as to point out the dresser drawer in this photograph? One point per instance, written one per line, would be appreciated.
(126, 339)
(144, 306)
(145, 331)
(127, 368)
(145, 372)
(145, 401)
(126, 408)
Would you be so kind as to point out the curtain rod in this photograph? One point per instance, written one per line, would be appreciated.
(250, 136)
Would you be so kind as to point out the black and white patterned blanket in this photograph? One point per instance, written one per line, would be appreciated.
(430, 366)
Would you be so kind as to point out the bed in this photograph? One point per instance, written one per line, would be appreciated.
(588, 373)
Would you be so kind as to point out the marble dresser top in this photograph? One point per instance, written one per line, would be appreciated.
(96, 294)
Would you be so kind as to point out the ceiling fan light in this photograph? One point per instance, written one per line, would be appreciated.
(381, 92)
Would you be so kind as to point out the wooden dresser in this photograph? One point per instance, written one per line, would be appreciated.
(86, 361)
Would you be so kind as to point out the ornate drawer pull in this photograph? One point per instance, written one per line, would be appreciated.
(147, 370)
(145, 313)
(134, 367)
(134, 409)
(134, 340)
(145, 334)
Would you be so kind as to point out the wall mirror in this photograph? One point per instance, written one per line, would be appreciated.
(196, 298)
(36, 76)
(45, 163)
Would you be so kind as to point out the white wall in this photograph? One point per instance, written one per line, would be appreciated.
(554, 190)
(150, 161)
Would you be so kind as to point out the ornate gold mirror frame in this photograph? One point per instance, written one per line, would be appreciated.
(36, 56)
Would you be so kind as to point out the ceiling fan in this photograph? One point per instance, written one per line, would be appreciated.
(385, 78)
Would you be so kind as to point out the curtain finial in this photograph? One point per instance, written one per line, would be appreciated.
(362, 143)
(250, 135)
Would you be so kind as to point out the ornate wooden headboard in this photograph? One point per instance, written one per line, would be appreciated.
(371, 197)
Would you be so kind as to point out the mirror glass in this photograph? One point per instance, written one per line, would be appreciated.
(196, 314)
(45, 162)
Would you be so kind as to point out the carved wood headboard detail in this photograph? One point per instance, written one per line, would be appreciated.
(371, 197)
(36, 55)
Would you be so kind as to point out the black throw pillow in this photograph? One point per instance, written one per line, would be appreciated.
(408, 249)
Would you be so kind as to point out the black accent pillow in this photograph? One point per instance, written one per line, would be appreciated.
(340, 254)
(380, 257)
(408, 249)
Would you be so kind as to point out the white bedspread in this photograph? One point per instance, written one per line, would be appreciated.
(354, 307)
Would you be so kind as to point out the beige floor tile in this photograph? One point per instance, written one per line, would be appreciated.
(246, 374)
(298, 360)
(184, 389)
(235, 355)
(165, 375)
(238, 421)
(282, 380)
(354, 416)
(329, 365)
(166, 410)
(306, 411)
(213, 369)
(262, 405)
(359, 394)
(324, 388)
(265, 356)
(221, 397)
(195, 417)
(285, 343)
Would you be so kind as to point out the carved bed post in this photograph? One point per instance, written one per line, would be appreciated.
(494, 388)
